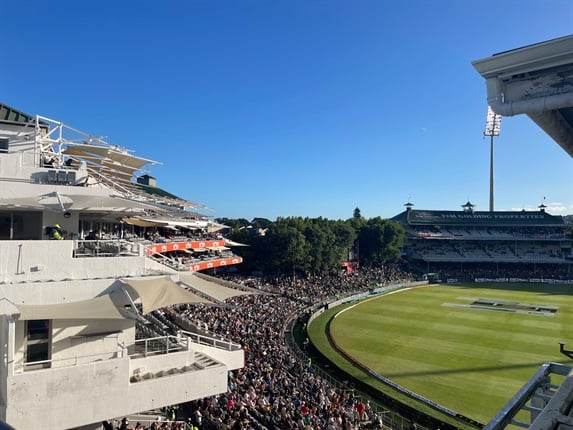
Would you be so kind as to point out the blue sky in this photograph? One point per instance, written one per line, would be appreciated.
(260, 108)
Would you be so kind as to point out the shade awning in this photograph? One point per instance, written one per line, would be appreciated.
(87, 150)
(119, 167)
(212, 289)
(87, 201)
(219, 248)
(231, 243)
(142, 222)
(106, 154)
(166, 223)
(97, 308)
(189, 224)
(157, 293)
(128, 159)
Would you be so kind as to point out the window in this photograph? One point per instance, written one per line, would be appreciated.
(18, 225)
(26, 225)
(3, 145)
(5, 225)
(37, 343)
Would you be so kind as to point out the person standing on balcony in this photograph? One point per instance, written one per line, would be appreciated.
(56, 233)
(92, 236)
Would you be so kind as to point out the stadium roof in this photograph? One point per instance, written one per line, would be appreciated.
(536, 80)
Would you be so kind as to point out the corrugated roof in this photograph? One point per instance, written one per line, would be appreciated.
(9, 114)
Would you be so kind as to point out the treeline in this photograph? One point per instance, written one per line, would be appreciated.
(309, 245)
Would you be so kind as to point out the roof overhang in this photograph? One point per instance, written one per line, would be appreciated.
(535, 80)
(84, 202)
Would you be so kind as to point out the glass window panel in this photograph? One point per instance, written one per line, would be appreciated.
(37, 352)
(38, 330)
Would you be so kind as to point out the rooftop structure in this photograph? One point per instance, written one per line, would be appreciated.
(534, 80)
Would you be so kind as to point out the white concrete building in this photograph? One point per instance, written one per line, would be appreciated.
(71, 355)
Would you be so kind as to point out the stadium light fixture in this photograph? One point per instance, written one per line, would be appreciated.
(492, 123)
(492, 128)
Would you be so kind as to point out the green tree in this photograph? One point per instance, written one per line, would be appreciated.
(380, 241)
(298, 245)
(287, 249)
(345, 237)
(322, 250)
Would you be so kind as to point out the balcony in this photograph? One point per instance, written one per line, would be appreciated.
(149, 374)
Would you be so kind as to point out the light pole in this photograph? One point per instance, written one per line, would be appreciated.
(492, 128)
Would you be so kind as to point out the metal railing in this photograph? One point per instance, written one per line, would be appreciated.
(160, 345)
(143, 347)
(226, 345)
(532, 399)
(67, 362)
(107, 248)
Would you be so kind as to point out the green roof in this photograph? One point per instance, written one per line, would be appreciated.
(157, 191)
(9, 114)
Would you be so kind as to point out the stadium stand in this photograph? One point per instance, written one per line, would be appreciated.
(467, 244)
(277, 389)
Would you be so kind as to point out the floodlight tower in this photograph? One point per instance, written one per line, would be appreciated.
(492, 128)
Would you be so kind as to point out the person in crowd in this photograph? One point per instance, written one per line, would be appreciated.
(124, 424)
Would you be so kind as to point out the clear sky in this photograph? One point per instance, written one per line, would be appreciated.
(267, 108)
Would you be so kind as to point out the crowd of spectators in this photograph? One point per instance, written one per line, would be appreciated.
(161, 423)
(472, 271)
(275, 390)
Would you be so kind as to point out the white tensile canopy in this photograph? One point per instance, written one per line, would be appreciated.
(212, 289)
(157, 293)
(97, 308)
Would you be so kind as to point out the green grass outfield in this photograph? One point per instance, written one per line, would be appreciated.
(468, 360)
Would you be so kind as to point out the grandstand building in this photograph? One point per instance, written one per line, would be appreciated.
(477, 244)
(82, 337)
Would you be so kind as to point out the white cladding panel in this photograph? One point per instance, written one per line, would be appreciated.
(52, 260)
(54, 399)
